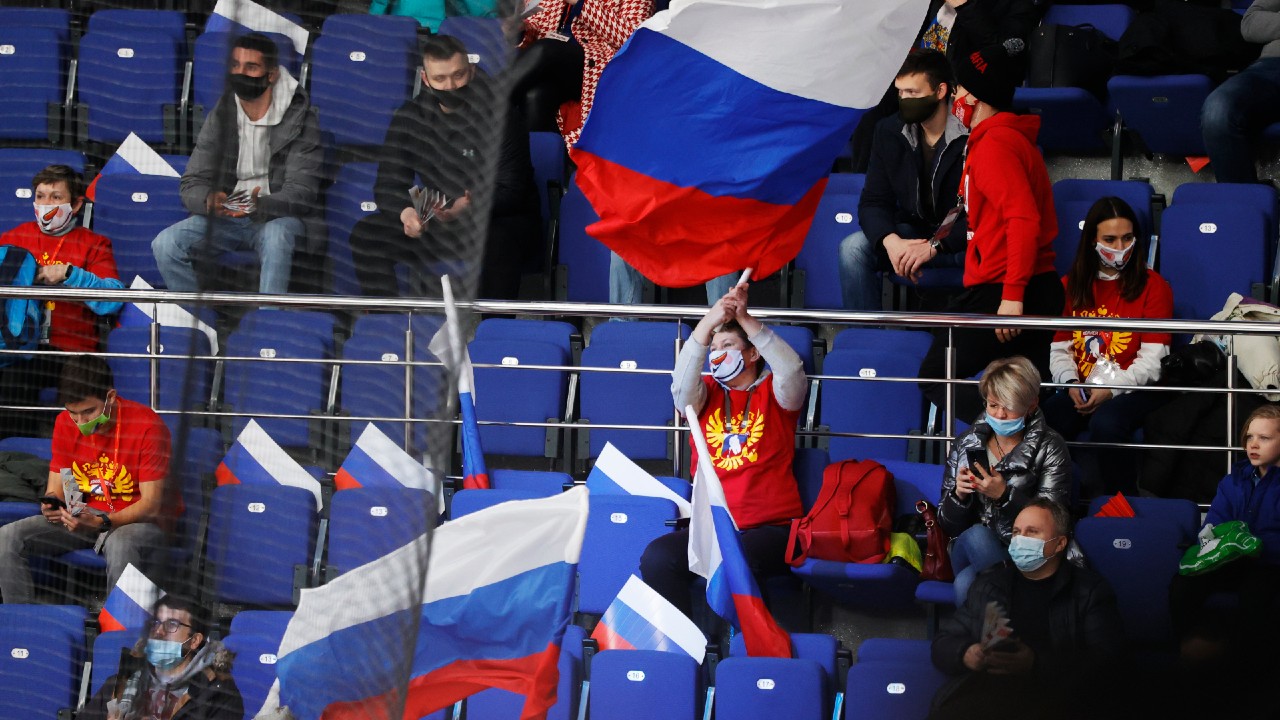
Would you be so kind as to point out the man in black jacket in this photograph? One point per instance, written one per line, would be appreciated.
(912, 179)
(1067, 635)
(448, 140)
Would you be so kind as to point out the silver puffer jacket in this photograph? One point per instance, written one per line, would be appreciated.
(1039, 466)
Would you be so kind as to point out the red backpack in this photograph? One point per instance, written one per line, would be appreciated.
(851, 519)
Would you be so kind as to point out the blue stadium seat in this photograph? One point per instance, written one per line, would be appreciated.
(1072, 200)
(1138, 557)
(131, 210)
(17, 167)
(377, 389)
(271, 623)
(42, 648)
(767, 687)
(642, 684)
(911, 342)
(348, 201)
(361, 72)
(1233, 235)
(259, 535)
(254, 670)
(619, 528)
(895, 650)
(41, 18)
(1182, 513)
(33, 81)
(808, 465)
(267, 387)
(583, 261)
(560, 334)
(182, 384)
(495, 704)
(541, 397)
(368, 523)
(106, 656)
(801, 340)
(129, 83)
(1164, 110)
(466, 502)
(484, 40)
(629, 346)
(549, 166)
(816, 277)
(847, 404)
(890, 690)
(170, 24)
(542, 482)
(925, 477)
(1261, 197)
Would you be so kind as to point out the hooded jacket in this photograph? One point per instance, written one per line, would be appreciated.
(211, 694)
(295, 166)
(1009, 201)
(1039, 466)
(1258, 506)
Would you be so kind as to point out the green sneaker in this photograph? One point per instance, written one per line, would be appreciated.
(1220, 545)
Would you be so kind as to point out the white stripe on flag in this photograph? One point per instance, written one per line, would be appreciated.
(284, 469)
(447, 344)
(138, 587)
(705, 556)
(143, 158)
(666, 617)
(173, 315)
(256, 17)
(399, 464)
(629, 476)
(841, 52)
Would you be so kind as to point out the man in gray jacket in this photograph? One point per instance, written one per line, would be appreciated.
(253, 179)
(1235, 114)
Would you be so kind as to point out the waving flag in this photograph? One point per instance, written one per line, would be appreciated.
(713, 133)
(715, 553)
(447, 345)
(134, 156)
(243, 16)
(170, 314)
(618, 474)
(377, 461)
(641, 619)
(255, 458)
(128, 605)
(491, 613)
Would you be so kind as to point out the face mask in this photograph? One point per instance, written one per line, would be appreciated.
(88, 427)
(963, 112)
(1115, 259)
(164, 654)
(1005, 428)
(451, 99)
(726, 364)
(246, 87)
(53, 219)
(917, 109)
(1028, 552)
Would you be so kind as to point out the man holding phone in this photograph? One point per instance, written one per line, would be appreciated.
(117, 453)
(1067, 635)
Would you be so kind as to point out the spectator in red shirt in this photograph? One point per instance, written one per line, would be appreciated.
(68, 256)
(118, 452)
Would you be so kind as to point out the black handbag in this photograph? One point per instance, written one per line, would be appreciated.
(1192, 365)
(1071, 56)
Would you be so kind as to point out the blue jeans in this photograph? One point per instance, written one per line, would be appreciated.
(862, 261)
(177, 247)
(977, 549)
(626, 284)
(1234, 114)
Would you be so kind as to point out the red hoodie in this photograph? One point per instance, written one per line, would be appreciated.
(1009, 201)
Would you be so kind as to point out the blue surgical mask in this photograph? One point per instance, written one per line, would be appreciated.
(1005, 428)
(1028, 552)
(164, 654)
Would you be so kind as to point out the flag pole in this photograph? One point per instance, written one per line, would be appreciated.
(455, 334)
(746, 276)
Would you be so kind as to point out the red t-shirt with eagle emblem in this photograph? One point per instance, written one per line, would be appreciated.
(110, 464)
(1155, 302)
(752, 455)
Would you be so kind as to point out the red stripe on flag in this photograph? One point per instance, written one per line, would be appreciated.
(225, 476)
(107, 623)
(760, 632)
(608, 639)
(648, 222)
(479, 481)
(534, 676)
(342, 480)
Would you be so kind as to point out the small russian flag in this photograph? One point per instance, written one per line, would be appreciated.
(242, 16)
(128, 605)
(255, 458)
(615, 473)
(447, 345)
(377, 461)
(641, 619)
(134, 156)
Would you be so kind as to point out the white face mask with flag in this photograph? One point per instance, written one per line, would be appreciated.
(726, 364)
(53, 219)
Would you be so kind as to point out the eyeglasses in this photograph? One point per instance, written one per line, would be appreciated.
(168, 626)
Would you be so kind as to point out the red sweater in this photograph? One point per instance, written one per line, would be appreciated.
(1009, 200)
(72, 325)
(1156, 301)
(109, 465)
(752, 457)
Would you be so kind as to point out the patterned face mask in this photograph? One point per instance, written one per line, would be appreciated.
(726, 364)
(53, 219)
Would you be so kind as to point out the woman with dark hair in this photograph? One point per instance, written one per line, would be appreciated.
(1109, 278)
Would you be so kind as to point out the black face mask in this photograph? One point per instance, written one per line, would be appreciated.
(452, 99)
(247, 87)
(917, 109)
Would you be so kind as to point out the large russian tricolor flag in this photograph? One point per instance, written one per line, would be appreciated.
(491, 613)
(376, 460)
(715, 553)
(255, 458)
(243, 16)
(716, 125)
(615, 473)
(641, 619)
(447, 345)
(128, 605)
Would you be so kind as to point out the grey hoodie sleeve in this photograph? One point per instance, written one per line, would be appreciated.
(686, 378)
(789, 381)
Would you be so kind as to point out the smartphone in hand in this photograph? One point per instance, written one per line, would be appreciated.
(977, 458)
(53, 501)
